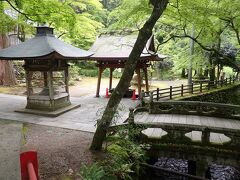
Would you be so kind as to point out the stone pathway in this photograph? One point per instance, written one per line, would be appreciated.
(11, 140)
(83, 118)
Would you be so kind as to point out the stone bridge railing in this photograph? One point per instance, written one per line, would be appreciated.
(176, 133)
(195, 108)
(175, 143)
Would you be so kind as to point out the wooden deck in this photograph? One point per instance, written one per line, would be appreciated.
(146, 118)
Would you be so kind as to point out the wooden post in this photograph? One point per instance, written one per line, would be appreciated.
(182, 90)
(192, 88)
(157, 94)
(200, 86)
(100, 70)
(146, 78)
(209, 84)
(110, 78)
(170, 92)
(45, 79)
(139, 81)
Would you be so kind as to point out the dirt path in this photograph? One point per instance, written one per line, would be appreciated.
(88, 85)
(60, 151)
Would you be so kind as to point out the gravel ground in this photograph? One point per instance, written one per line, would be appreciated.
(60, 151)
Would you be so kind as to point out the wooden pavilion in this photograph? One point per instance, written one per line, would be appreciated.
(46, 66)
(112, 51)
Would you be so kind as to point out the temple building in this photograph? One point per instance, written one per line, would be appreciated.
(112, 51)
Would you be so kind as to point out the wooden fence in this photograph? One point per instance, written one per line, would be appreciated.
(179, 91)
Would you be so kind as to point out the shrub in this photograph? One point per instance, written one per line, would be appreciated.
(94, 172)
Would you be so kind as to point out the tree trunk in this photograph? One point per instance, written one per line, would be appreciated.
(183, 74)
(143, 36)
(7, 75)
(205, 73)
(212, 73)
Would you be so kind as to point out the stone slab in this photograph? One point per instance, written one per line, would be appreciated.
(49, 113)
(11, 141)
(83, 118)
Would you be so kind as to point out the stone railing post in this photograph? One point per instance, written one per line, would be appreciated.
(205, 136)
(151, 96)
(131, 116)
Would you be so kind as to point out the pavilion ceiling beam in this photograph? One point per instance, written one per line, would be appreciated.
(120, 65)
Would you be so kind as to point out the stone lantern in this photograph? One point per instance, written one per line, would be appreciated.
(46, 70)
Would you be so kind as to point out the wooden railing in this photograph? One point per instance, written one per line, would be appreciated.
(179, 91)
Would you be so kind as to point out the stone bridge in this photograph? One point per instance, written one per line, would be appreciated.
(201, 132)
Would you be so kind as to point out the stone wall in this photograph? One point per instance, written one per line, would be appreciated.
(228, 95)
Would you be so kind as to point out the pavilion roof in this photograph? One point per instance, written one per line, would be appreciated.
(119, 47)
(43, 46)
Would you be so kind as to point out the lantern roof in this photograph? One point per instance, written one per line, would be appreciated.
(43, 46)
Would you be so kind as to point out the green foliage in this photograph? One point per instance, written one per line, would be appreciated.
(125, 155)
(131, 14)
(94, 172)
(122, 160)
(216, 24)
(76, 21)
(6, 23)
(126, 158)
(111, 4)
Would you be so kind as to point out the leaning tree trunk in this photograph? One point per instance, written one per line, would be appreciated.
(7, 75)
(143, 36)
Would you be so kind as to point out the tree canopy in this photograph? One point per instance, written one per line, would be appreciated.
(216, 27)
(75, 21)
